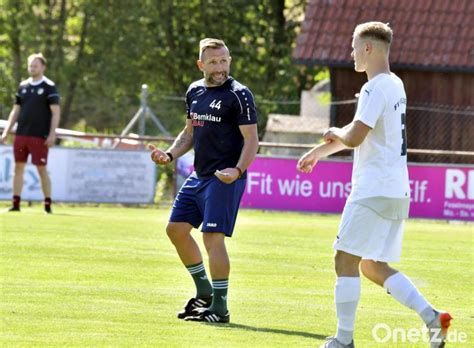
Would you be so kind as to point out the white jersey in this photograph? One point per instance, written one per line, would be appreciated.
(380, 162)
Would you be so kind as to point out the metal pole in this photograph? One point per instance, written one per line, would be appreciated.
(141, 115)
(130, 124)
(144, 108)
(158, 123)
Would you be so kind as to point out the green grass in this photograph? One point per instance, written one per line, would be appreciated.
(95, 276)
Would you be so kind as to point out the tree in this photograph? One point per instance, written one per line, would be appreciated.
(101, 51)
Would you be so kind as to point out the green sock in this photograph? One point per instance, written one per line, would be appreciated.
(219, 298)
(203, 287)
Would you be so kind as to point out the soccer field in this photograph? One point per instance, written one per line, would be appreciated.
(95, 276)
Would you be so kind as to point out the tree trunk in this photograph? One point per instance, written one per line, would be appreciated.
(48, 32)
(59, 44)
(72, 83)
(15, 40)
(278, 40)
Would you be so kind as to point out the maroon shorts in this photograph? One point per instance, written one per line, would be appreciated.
(24, 145)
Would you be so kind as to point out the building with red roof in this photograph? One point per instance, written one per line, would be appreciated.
(432, 51)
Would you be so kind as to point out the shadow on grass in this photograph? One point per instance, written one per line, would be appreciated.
(64, 214)
(276, 331)
(39, 212)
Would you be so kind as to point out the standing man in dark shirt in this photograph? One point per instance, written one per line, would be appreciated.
(221, 126)
(37, 112)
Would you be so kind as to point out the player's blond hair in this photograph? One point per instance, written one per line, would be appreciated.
(39, 56)
(206, 43)
(374, 30)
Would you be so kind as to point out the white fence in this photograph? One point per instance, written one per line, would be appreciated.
(86, 175)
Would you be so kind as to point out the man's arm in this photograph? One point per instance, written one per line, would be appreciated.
(249, 151)
(247, 155)
(307, 162)
(55, 118)
(351, 135)
(336, 139)
(182, 144)
(12, 118)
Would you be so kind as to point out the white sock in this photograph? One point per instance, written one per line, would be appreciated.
(347, 294)
(405, 292)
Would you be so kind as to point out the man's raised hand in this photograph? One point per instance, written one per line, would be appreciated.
(158, 156)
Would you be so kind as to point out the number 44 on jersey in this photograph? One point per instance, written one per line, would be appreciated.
(215, 105)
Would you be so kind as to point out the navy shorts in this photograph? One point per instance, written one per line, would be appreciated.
(210, 202)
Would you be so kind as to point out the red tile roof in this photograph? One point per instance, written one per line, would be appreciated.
(428, 34)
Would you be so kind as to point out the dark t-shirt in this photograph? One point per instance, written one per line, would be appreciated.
(35, 114)
(216, 114)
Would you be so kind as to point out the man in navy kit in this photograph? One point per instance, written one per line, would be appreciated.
(37, 112)
(221, 126)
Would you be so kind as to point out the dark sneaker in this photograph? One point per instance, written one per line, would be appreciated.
(47, 209)
(14, 209)
(193, 305)
(209, 317)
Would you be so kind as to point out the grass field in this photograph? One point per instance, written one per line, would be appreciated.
(90, 276)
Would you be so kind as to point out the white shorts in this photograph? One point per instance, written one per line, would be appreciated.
(364, 233)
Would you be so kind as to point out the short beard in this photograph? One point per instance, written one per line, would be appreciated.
(212, 82)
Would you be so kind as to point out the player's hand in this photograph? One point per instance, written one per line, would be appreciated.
(330, 135)
(228, 175)
(158, 156)
(49, 142)
(307, 162)
(3, 138)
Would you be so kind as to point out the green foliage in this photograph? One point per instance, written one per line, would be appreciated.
(324, 98)
(100, 52)
(164, 192)
(108, 276)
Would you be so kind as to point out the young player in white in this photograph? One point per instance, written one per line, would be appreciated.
(371, 228)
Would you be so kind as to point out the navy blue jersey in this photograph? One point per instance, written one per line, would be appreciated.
(216, 114)
(35, 114)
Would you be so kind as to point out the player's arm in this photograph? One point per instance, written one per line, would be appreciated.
(55, 118)
(249, 151)
(351, 135)
(182, 144)
(307, 162)
(12, 118)
(369, 109)
(247, 155)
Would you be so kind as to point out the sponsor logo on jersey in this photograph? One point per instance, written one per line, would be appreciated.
(199, 120)
(399, 103)
(211, 224)
(206, 117)
(40, 91)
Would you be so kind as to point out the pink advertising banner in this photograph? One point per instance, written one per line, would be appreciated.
(437, 191)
